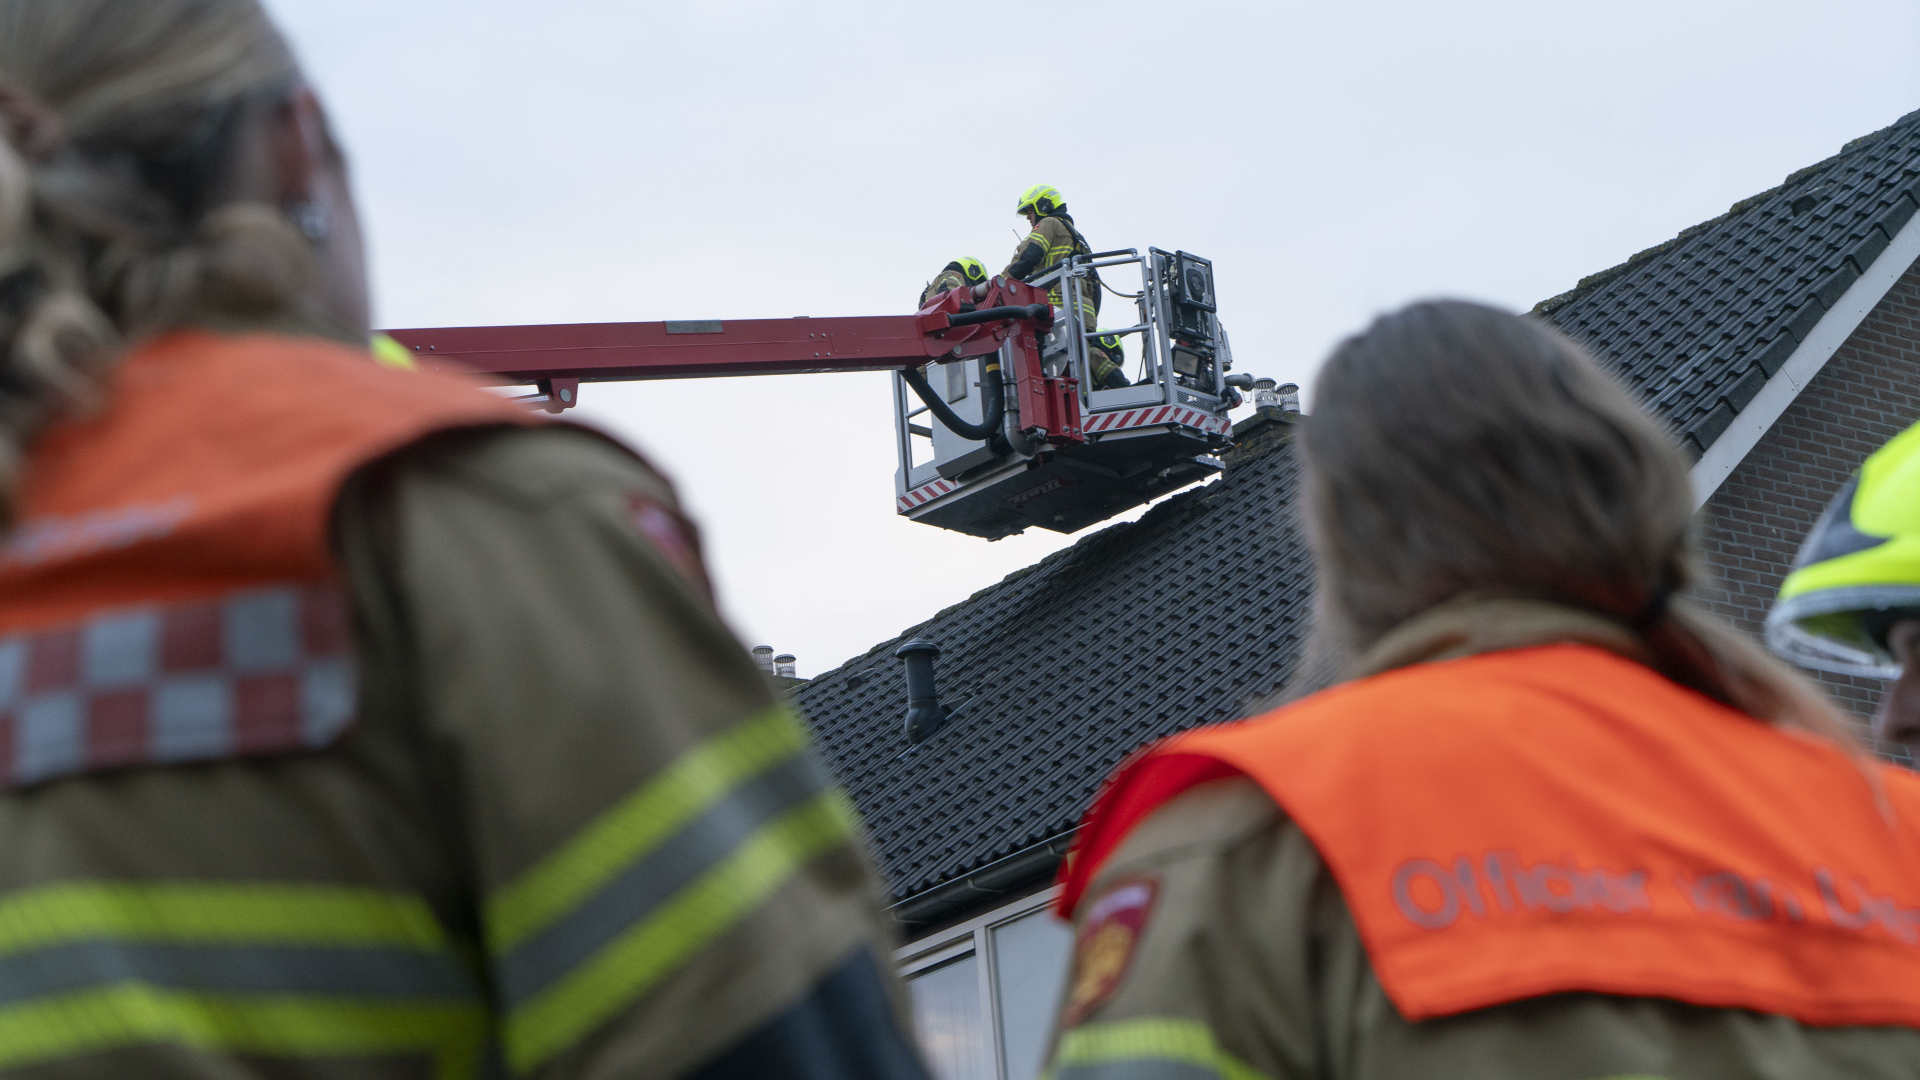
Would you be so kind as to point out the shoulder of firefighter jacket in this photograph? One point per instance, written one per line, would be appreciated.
(210, 471)
(947, 279)
(168, 598)
(1559, 819)
(1061, 240)
(1858, 570)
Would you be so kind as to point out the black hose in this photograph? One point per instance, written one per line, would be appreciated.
(995, 314)
(994, 408)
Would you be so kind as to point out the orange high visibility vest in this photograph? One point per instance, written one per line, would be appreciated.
(1557, 819)
(168, 593)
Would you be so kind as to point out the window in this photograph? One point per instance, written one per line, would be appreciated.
(985, 992)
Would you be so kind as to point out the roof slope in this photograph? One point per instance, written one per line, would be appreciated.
(1138, 630)
(1697, 324)
(1199, 608)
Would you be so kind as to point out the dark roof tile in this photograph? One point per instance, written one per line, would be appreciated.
(1684, 320)
(1061, 668)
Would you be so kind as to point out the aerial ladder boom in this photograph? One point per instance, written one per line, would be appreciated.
(1009, 431)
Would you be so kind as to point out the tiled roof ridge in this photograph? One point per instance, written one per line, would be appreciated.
(1254, 437)
(1595, 280)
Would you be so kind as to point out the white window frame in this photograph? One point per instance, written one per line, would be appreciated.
(975, 936)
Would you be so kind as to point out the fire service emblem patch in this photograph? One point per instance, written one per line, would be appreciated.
(1105, 946)
(671, 535)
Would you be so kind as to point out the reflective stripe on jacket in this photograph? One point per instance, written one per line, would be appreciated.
(1558, 818)
(655, 879)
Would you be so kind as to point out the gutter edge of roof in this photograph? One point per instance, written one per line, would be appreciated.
(1795, 362)
(991, 882)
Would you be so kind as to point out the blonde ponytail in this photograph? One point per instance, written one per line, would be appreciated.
(1458, 449)
(116, 119)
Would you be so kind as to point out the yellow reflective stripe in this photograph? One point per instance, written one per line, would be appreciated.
(653, 948)
(1154, 1038)
(638, 824)
(126, 1015)
(216, 913)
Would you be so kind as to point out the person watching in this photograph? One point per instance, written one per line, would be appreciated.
(1551, 819)
(1851, 604)
(1053, 239)
(352, 722)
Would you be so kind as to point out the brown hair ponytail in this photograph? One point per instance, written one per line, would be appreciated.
(1455, 448)
(117, 120)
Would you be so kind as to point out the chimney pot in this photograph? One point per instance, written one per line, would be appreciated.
(783, 665)
(925, 714)
(763, 658)
(1263, 395)
(1289, 397)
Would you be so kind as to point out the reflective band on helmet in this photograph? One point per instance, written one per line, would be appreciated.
(262, 969)
(1827, 628)
(1153, 1048)
(657, 878)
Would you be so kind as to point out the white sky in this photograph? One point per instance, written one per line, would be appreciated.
(591, 160)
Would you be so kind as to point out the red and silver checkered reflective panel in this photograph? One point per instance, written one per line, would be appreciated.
(262, 671)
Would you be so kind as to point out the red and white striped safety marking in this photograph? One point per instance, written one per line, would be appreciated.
(1155, 414)
(925, 494)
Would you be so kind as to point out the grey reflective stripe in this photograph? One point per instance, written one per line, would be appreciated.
(359, 972)
(631, 896)
(1136, 1070)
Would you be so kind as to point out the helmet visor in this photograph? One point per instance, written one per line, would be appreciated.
(1843, 630)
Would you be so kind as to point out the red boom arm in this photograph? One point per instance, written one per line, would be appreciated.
(678, 350)
(560, 357)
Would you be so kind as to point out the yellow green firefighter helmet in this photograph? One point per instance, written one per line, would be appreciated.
(391, 353)
(970, 268)
(1042, 200)
(1858, 572)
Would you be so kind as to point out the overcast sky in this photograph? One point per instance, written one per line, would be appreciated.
(590, 160)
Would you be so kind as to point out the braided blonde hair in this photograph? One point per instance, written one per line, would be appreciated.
(119, 119)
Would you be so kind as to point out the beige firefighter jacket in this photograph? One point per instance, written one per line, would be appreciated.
(1249, 965)
(1057, 242)
(566, 774)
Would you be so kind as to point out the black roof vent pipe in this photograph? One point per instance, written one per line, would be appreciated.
(925, 714)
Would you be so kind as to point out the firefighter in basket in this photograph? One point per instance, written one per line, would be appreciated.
(1053, 239)
(964, 271)
(354, 722)
(1554, 819)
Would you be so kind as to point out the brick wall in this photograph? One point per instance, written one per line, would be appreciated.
(1868, 392)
